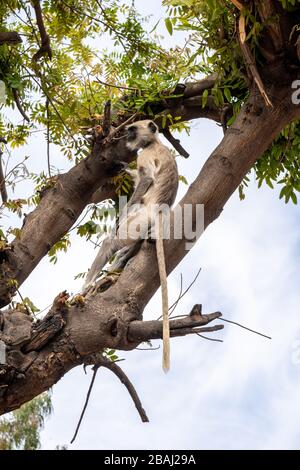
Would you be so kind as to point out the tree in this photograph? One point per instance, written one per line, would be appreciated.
(248, 52)
(20, 431)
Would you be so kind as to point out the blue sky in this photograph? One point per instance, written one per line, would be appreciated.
(239, 394)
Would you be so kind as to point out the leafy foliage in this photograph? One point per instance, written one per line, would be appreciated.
(213, 24)
(61, 245)
(65, 95)
(20, 430)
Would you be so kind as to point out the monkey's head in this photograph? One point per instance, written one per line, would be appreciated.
(141, 134)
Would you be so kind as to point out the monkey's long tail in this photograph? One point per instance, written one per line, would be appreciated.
(164, 293)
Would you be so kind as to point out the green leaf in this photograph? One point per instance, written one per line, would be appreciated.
(183, 179)
(294, 198)
(169, 25)
(28, 303)
(204, 98)
(282, 192)
(227, 94)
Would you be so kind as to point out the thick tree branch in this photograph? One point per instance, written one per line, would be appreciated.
(271, 20)
(116, 369)
(10, 37)
(45, 46)
(145, 330)
(36, 359)
(175, 142)
(198, 87)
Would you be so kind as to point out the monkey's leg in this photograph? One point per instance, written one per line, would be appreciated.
(124, 256)
(130, 231)
(164, 293)
(108, 248)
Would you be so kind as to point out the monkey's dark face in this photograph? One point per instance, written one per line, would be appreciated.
(141, 134)
(131, 133)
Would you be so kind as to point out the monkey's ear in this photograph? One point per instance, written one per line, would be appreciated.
(153, 127)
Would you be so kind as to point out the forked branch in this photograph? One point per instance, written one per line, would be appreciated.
(101, 361)
(192, 324)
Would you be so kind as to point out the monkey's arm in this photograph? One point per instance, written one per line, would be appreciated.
(140, 190)
(145, 180)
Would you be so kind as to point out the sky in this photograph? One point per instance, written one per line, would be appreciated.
(238, 394)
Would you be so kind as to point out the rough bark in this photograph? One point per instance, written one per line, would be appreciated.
(10, 37)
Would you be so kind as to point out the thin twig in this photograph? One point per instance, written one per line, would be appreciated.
(51, 102)
(28, 310)
(107, 25)
(116, 86)
(21, 164)
(245, 328)
(229, 321)
(181, 295)
(188, 288)
(210, 339)
(91, 90)
(81, 220)
(121, 126)
(19, 105)
(112, 28)
(27, 12)
(44, 309)
(95, 370)
(3, 190)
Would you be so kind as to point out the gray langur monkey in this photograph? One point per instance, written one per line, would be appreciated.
(156, 184)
